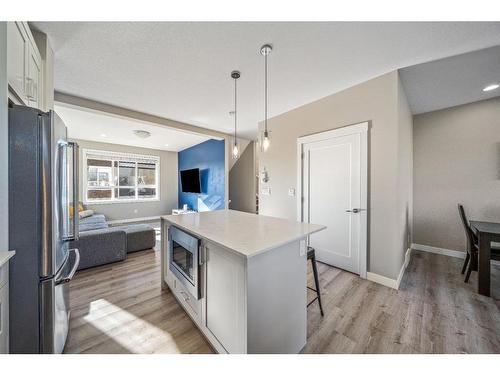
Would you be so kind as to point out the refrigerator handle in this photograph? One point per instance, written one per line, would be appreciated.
(76, 217)
(68, 278)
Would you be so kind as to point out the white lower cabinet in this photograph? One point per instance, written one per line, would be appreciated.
(225, 298)
(4, 309)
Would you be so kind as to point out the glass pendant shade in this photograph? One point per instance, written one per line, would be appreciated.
(236, 151)
(265, 141)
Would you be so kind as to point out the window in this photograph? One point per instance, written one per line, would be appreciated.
(117, 177)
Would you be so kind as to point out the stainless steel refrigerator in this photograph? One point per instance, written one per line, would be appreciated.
(43, 189)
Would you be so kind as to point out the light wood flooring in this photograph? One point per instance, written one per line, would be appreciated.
(120, 308)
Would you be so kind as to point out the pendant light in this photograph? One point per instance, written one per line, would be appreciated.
(235, 75)
(265, 50)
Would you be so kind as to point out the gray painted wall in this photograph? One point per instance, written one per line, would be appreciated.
(405, 174)
(456, 160)
(242, 181)
(375, 101)
(168, 184)
(4, 143)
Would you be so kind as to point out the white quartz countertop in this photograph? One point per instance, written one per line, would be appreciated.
(5, 256)
(244, 233)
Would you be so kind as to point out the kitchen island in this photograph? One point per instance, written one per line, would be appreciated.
(241, 277)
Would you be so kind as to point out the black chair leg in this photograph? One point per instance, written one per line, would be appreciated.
(466, 262)
(470, 266)
(316, 282)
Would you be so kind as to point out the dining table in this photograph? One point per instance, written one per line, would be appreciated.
(487, 232)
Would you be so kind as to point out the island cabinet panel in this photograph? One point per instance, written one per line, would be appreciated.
(226, 298)
(277, 299)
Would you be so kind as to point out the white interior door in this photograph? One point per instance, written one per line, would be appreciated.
(334, 194)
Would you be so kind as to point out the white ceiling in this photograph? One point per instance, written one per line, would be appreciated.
(181, 70)
(98, 126)
(452, 81)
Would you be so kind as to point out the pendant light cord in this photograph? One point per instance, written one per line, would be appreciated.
(235, 111)
(265, 93)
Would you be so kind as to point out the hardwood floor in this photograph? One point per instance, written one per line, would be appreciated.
(120, 308)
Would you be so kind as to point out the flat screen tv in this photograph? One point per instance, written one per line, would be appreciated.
(190, 181)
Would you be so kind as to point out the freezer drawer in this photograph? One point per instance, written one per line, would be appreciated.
(55, 306)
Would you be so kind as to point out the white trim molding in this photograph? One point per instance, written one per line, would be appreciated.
(439, 250)
(361, 129)
(379, 279)
(387, 281)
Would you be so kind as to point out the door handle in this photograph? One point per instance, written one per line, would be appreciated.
(68, 278)
(75, 148)
(76, 217)
(355, 210)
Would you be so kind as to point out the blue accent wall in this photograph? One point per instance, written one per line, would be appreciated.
(209, 158)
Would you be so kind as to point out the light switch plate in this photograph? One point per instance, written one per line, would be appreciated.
(265, 191)
(291, 192)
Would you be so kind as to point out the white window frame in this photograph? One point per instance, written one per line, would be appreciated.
(112, 155)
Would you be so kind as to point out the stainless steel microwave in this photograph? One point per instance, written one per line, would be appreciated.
(184, 259)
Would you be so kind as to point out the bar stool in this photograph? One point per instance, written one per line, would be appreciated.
(312, 257)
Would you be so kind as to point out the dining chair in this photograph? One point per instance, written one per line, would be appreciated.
(469, 263)
(471, 258)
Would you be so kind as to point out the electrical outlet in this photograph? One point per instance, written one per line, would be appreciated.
(291, 192)
(136, 210)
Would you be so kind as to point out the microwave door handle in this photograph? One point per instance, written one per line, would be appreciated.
(76, 217)
(68, 278)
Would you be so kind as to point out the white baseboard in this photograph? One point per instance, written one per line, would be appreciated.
(439, 250)
(379, 279)
(403, 268)
(387, 281)
(133, 220)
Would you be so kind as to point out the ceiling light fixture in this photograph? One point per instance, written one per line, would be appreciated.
(235, 75)
(142, 133)
(265, 50)
(491, 87)
(166, 144)
(103, 135)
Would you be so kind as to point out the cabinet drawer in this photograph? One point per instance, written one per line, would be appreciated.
(187, 300)
(4, 274)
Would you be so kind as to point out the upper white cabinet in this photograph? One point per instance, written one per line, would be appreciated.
(17, 58)
(24, 65)
(34, 77)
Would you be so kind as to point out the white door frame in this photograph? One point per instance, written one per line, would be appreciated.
(362, 130)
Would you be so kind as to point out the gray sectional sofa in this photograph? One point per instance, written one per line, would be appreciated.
(101, 244)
